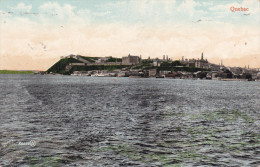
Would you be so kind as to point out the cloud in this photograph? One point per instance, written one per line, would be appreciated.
(74, 31)
(65, 11)
(188, 6)
(209, 3)
(119, 40)
(12, 62)
(169, 6)
(21, 7)
(153, 7)
(53, 14)
(254, 7)
(83, 12)
(102, 13)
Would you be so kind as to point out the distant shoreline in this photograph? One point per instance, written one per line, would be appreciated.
(219, 79)
(15, 72)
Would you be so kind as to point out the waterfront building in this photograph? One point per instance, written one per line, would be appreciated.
(258, 75)
(163, 73)
(236, 70)
(214, 75)
(173, 74)
(157, 62)
(202, 63)
(131, 60)
(190, 62)
(152, 73)
(214, 67)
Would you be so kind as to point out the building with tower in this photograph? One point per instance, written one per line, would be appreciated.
(202, 63)
(199, 63)
(131, 60)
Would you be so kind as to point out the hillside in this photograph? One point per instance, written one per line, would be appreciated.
(59, 67)
(90, 59)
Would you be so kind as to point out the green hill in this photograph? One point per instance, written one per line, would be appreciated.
(90, 59)
(98, 67)
(59, 67)
(112, 59)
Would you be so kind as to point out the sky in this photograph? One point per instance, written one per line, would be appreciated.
(34, 34)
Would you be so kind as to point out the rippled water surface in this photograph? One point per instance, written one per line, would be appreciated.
(88, 121)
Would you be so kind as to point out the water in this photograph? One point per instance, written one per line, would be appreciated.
(86, 121)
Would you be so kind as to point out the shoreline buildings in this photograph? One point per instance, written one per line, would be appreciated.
(135, 66)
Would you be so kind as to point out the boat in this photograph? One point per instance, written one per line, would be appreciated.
(159, 76)
(98, 75)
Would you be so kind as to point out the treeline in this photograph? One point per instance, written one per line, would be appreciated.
(112, 59)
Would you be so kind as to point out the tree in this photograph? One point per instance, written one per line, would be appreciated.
(176, 63)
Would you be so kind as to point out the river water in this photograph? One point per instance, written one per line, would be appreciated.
(95, 121)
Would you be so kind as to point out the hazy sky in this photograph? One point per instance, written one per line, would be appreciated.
(34, 34)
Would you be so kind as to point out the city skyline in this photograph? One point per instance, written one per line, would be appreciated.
(35, 34)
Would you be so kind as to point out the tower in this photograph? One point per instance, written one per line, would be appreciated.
(202, 56)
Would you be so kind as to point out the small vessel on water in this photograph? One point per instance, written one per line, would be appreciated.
(159, 76)
(98, 75)
(103, 75)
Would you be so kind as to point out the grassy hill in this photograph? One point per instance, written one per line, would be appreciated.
(90, 59)
(112, 59)
(98, 67)
(59, 67)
